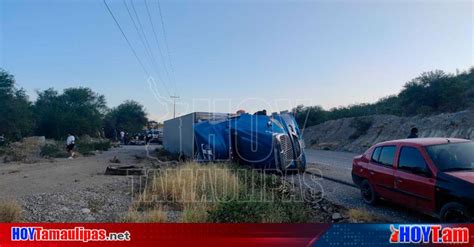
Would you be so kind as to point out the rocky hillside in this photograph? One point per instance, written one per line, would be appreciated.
(357, 134)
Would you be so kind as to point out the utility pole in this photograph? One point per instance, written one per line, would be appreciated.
(174, 97)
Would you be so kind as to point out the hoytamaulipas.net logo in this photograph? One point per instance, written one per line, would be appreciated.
(434, 234)
(74, 234)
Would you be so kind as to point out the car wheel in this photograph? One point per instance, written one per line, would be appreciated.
(368, 194)
(454, 212)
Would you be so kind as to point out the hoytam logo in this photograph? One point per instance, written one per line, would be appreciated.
(435, 234)
(75, 234)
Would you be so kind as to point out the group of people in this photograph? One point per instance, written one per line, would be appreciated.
(71, 143)
(71, 139)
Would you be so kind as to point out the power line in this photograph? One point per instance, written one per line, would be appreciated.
(148, 47)
(145, 43)
(125, 37)
(147, 51)
(158, 44)
(166, 42)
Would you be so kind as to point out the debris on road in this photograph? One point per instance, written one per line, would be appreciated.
(114, 160)
(124, 170)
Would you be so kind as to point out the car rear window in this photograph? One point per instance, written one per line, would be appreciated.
(376, 154)
(384, 155)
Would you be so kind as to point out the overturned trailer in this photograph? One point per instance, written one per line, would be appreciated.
(267, 142)
(178, 133)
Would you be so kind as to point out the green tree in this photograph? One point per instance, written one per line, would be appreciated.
(469, 94)
(16, 119)
(48, 114)
(430, 93)
(309, 115)
(129, 116)
(435, 92)
(78, 111)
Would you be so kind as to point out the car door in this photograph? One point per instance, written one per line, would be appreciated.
(414, 180)
(381, 171)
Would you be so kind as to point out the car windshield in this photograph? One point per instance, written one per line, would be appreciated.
(453, 156)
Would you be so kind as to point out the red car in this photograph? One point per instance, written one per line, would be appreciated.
(434, 176)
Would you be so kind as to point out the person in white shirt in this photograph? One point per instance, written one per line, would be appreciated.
(70, 142)
(122, 137)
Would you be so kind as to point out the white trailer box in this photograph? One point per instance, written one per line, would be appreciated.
(178, 133)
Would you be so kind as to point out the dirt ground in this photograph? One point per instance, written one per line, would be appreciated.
(63, 190)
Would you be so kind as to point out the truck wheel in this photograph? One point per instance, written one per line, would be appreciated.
(454, 212)
(293, 171)
(368, 194)
(301, 169)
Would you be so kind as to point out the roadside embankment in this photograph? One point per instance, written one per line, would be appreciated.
(358, 134)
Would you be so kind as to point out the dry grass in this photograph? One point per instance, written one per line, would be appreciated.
(150, 216)
(361, 215)
(192, 183)
(28, 150)
(191, 188)
(214, 193)
(10, 212)
(195, 213)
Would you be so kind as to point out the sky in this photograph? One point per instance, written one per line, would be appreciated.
(228, 55)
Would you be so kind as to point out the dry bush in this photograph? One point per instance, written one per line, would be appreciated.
(150, 216)
(195, 213)
(191, 188)
(361, 215)
(193, 183)
(10, 212)
(54, 149)
(88, 146)
(164, 155)
(32, 149)
(217, 193)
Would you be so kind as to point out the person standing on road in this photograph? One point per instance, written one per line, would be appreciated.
(122, 137)
(413, 133)
(70, 143)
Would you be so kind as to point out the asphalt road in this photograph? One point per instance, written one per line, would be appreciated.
(330, 164)
(341, 160)
(336, 166)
